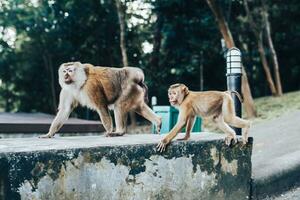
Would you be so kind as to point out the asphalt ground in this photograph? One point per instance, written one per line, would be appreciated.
(276, 155)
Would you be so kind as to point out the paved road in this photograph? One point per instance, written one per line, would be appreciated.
(276, 145)
(40, 123)
(290, 195)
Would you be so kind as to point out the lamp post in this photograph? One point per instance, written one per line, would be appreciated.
(234, 77)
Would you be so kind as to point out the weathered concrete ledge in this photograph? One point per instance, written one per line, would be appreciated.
(95, 167)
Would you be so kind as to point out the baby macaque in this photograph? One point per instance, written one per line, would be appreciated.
(216, 104)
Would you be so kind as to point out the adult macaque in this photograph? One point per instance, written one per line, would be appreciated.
(99, 88)
(215, 104)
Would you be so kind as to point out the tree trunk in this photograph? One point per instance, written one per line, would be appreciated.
(122, 33)
(273, 53)
(49, 67)
(123, 48)
(258, 35)
(201, 71)
(157, 42)
(155, 55)
(266, 66)
(224, 29)
(6, 97)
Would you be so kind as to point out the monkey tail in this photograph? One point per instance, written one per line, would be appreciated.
(237, 94)
(144, 86)
(139, 79)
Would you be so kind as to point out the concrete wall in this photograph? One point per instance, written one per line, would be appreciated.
(203, 168)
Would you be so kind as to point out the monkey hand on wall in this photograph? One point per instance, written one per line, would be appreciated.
(215, 104)
(99, 88)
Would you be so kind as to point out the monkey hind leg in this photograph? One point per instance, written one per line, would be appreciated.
(146, 112)
(241, 123)
(231, 135)
(120, 120)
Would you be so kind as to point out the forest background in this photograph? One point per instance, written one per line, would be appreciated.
(171, 40)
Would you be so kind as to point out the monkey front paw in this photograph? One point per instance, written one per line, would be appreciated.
(161, 147)
(46, 136)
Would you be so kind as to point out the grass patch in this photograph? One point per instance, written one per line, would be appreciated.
(273, 107)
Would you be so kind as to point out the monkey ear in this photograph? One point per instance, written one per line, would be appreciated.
(77, 64)
(86, 69)
(185, 90)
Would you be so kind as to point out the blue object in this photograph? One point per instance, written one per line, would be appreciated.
(169, 116)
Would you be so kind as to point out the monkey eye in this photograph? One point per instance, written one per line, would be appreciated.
(64, 71)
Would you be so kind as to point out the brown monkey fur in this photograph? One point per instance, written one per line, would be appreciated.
(215, 104)
(100, 88)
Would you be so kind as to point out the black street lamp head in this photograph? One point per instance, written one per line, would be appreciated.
(233, 61)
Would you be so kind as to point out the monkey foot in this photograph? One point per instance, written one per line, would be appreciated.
(46, 136)
(245, 141)
(229, 141)
(114, 134)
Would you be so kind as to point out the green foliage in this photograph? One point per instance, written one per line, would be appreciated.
(188, 29)
(54, 33)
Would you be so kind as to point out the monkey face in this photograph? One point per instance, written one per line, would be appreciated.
(72, 73)
(174, 96)
(68, 74)
(177, 93)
